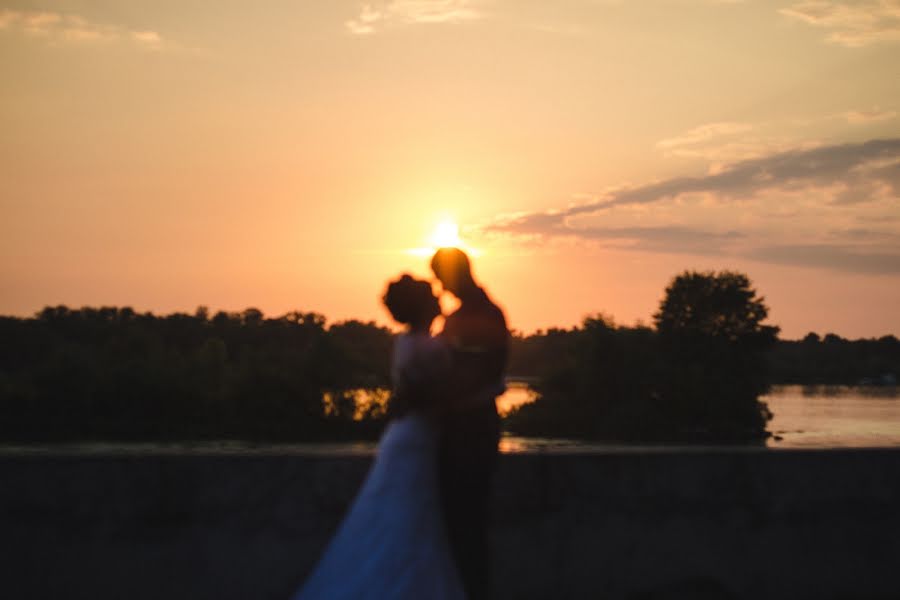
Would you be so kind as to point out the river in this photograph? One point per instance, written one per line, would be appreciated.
(803, 417)
(834, 416)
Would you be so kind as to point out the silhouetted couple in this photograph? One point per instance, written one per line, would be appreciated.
(418, 527)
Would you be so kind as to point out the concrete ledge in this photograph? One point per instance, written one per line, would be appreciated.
(628, 525)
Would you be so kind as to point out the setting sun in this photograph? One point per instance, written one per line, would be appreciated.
(446, 234)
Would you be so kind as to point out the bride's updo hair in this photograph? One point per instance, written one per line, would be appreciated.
(410, 300)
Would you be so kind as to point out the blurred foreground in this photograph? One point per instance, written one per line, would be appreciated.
(662, 525)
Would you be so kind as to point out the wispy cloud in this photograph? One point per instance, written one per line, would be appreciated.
(59, 28)
(704, 133)
(811, 201)
(868, 116)
(374, 17)
(856, 23)
(723, 143)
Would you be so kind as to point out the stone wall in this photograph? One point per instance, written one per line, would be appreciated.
(639, 525)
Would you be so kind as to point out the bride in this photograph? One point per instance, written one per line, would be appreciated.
(392, 543)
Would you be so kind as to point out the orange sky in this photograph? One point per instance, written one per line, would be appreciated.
(165, 155)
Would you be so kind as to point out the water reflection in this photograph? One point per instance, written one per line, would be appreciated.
(517, 393)
(360, 403)
(363, 403)
(834, 416)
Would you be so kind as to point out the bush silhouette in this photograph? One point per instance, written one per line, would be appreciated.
(696, 377)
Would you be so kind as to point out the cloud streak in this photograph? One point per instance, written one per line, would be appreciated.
(704, 133)
(727, 142)
(376, 17)
(851, 24)
(798, 207)
(836, 257)
(855, 117)
(59, 28)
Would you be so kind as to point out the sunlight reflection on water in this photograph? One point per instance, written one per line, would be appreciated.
(834, 416)
(517, 393)
(364, 403)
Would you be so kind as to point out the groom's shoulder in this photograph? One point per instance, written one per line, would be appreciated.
(479, 319)
(493, 309)
(480, 306)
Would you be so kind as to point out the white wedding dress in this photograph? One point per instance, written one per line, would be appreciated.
(392, 544)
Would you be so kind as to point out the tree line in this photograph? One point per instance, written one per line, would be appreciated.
(113, 373)
(696, 374)
(813, 360)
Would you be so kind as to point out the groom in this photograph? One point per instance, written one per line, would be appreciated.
(479, 342)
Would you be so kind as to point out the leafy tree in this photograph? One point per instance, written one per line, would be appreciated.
(713, 341)
(722, 306)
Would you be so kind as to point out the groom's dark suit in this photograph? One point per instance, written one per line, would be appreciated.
(479, 341)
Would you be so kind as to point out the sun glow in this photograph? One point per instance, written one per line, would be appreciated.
(444, 235)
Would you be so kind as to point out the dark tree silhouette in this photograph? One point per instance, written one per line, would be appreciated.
(114, 374)
(713, 339)
(696, 378)
(716, 306)
(833, 360)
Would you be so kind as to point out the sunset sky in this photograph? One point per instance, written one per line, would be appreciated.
(293, 155)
